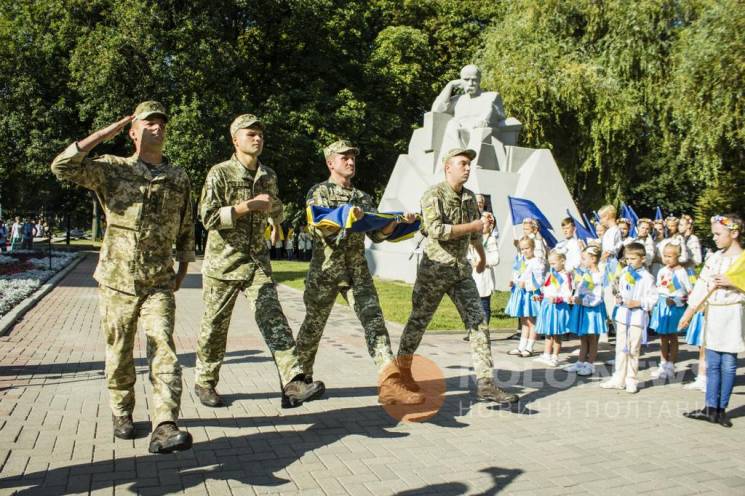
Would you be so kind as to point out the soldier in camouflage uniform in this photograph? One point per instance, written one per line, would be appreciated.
(339, 266)
(239, 197)
(452, 221)
(147, 201)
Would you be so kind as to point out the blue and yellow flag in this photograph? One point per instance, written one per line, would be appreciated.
(631, 275)
(585, 279)
(343, 218)
(555, 279)
(692, 278)
(519, 265)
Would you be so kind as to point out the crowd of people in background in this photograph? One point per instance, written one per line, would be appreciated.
(651, 283)
(20, 233)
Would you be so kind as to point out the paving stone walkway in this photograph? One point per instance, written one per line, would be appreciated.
(566, 437)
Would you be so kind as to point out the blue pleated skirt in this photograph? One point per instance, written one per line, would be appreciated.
(553, 319)
(665, 317)
(585, 321)
(521, 303)
(695, 332)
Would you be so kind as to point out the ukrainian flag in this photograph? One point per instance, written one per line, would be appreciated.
(555, 279)
(631, 275)
(343, 218)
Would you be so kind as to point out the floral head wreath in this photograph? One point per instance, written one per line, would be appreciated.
(644, 220)
(671, 218)
(726, 222)
(624, 220)
(530, 220)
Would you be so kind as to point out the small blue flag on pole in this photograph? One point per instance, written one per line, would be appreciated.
(589, 226)
(628, 212)
(658, 214)
(582, 232)
(520, 209)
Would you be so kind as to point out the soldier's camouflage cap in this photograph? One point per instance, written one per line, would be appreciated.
(245, 121)
(340, 147)
(454, 152)
(150, 108)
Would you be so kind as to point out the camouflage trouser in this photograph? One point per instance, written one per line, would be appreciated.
(119, 315)
(433, 281)
(219, 299)
(319, 297)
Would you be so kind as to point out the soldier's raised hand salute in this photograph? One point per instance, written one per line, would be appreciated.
(105, 134)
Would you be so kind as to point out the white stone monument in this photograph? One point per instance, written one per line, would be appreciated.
(476, 120)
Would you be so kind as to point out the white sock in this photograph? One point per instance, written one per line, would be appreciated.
(523, 344)
(531, 342)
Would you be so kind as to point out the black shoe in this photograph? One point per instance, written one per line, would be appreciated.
(487, 391)
(298, 391)
(167, 438)
(123, 426)
(467, 337)
(709, 414)
(208, 396)
(724, 419)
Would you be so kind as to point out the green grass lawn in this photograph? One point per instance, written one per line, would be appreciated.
(395, 298)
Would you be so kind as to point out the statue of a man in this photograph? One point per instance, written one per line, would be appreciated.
(473, 109)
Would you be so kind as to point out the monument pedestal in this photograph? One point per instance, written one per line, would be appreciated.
(501, 169)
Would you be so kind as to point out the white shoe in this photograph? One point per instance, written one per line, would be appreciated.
(698, 385)
(543, 358)
(554, 360)
(587, 369)
(576, 352)
(660, 372)
(574, 367)
(610, 362)
(631, 387)
(612, 384)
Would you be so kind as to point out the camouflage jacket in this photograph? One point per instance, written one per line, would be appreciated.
(148, 209)
(235, 246)
(348, 254)
(442, 208)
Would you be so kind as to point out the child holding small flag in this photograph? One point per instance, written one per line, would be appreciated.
(673, 287)
(553, 320)
(720, 290)
(637, 295)
(589, 317)
(527, 271)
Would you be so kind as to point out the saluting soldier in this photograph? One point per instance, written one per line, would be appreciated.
(147, 202)
(339, 266)
(239, 197)
(452, 222)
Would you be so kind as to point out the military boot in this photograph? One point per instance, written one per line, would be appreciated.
(408, 380)
(208, 396)
(167, 438)
(487, 391)
(123, 426)
(392, 390)
(298, 391)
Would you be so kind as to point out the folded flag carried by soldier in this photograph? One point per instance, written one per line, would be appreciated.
(344, 219)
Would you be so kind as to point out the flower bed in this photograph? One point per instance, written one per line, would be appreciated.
(22, 273)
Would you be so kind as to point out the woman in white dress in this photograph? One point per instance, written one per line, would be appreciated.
(486, 281)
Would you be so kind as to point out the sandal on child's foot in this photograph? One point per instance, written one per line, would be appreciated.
(526, 353)
(515, 352)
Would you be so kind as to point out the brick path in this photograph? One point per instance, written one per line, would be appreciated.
(567, 436)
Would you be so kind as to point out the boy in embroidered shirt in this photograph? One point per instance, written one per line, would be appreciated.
(636, 297)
